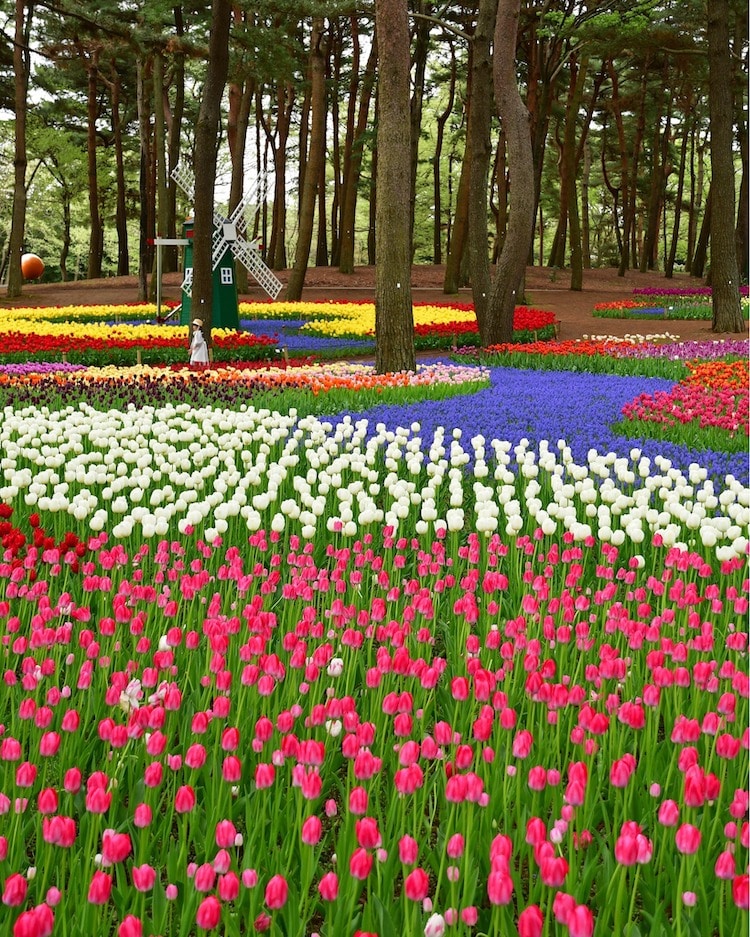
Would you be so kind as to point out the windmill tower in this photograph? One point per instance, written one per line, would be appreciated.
(230, 242)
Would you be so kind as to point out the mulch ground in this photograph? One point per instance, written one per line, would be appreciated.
(545, 289)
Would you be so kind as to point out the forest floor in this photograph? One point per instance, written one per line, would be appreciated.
(545, 289)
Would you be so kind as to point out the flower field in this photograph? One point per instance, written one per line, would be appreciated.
(307, 650)
(666, 303)
(100, 336)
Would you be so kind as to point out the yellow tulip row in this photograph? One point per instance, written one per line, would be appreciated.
(349, 319)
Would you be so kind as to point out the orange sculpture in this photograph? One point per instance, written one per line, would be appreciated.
(32, 267)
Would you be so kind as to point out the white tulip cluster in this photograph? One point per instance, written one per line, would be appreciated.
(146, 471)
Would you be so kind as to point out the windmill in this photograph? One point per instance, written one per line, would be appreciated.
(230, 242)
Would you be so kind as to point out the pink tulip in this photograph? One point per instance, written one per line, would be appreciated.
(205, 877)
(725, 865)
(142, 816)
(265, 775)
(229, 886)
(225, 834)
(312, 830)
(688, 839)
(231, 769)
(499, 888)
(553, 871)
(36, 922)
(26, 774)
(522, 744)
(741, 891)
(563, 906)
(329, 886)
(358, 800)
(100, 888)
(530, 922)
(14, 891)
(416, 884)
(456, 846)
(669, 813)
(130, 927)
(116, 847)
(581, 922)
(208, 914)
(360, 864)
(184, 799)
(144, 877)
(367, 833)
(277, 892)
(408, 850)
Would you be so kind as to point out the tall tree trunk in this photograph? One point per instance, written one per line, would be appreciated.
(337, 46)
(742, 233)
(420, 48)
(174, 114)
(160, 153)
(121, 218)
(500, 209)
(321, 245)
(725, 286)
(698, 264)
(578, 79)
(284, 109)
(373, 206)
(146, 218)
(672, 255)
(460, 225)
(394, 318)
(630, 197)
(515, 118)
(353, 164)
(96, 233)
(480, 119)
(585, 219)
(206, 145)
(21, 65)
(238, 123)
(656, 192)
(315, 159)
(440, 122)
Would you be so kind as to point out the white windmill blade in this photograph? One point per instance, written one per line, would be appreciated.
(187, 282)
(184, 179)
(249, 255)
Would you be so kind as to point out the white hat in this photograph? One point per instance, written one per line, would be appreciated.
(197, 321)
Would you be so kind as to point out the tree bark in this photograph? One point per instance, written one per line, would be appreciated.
(21, 64)
(206, 143)
(174, 114)
(671, 257)
(145, 218)
(480, 119)
(353, 164)
(725, 287)
(421, 47)
(440, 122)
(515, 118)
(394, 319)
(96, 234)
(315, 160)
(121, 216)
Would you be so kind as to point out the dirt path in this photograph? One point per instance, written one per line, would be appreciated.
(545, 289)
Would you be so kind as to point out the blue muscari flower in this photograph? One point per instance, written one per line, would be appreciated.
(553, 405)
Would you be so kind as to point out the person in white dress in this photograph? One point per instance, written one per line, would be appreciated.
(198, 346)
